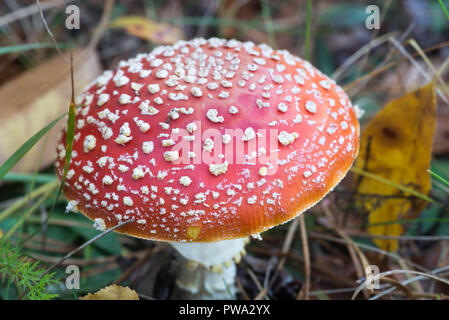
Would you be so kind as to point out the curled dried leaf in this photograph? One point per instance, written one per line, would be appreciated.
(112, 292)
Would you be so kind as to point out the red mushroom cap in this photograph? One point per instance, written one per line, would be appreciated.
(208, 140)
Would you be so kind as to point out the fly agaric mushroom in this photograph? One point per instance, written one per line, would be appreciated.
(205, 143)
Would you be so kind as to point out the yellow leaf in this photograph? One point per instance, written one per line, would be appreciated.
(112, 292)
(148, 30)
(396, 145)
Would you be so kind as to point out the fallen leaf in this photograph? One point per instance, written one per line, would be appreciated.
(149, 30)
(396, 145)
(112, 292)
(34, 99)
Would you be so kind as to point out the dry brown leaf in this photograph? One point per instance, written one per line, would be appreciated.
(112, 292)
(396, 144)
(149, 30)
(34, 99)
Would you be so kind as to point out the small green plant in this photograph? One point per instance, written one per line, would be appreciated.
(27, 277)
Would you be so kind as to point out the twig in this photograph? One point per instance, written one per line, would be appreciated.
(288, 241)
(83, 262)
(25, 23)
(388, 56)
(304, 292)
(262, 292)
(388, 66)
(99, 270)
(327, 273)
(416, 285)
(331, 291)
(28, 11)
(285, 249)
(241, 288)
(125, 275)
(435, 72)
(367, 247)
(404, 238)
(102, 25)
(399, 271)
(416, 65)
(77, 261)
(399, 286)
(141, 295)
(86, 244)
(375, 33)
(443, 67)
(50, 33)
(353, 249)
(360, 53)
(436, 271)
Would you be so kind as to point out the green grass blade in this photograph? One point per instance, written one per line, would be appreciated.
(266, 14)
(308, 29)
(439, 178)
(69, 143)
(393, 184)
(28, 197)
(400, 221)
(22, 151)
(33, 208)
(69, 140)
(28, 47)
(70, 133)
(29, 177)
(68, 149)
(446, 12)
(70, 126)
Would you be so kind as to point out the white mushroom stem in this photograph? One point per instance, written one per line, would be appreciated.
(209, 270)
